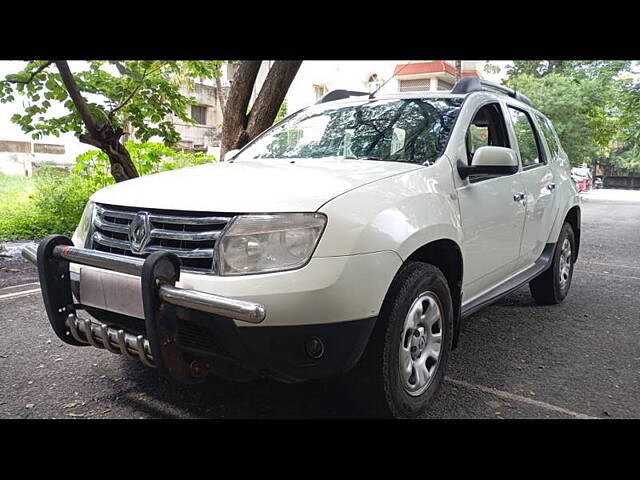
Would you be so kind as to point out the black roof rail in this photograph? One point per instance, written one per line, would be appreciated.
(339, 95)
(472, 84)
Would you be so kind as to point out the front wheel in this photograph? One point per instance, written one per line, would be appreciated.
(406, 358)
(553, 285)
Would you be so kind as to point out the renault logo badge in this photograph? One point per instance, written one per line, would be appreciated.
(139, 232)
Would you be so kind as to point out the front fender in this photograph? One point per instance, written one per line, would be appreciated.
(399, 214)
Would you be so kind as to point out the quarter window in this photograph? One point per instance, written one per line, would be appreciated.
(527, 141)
(549, 135)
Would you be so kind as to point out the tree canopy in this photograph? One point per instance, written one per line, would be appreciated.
(106, 99)
(139, 93)
(594, 106)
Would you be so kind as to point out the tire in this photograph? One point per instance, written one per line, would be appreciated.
(376, 384)
(550, 287)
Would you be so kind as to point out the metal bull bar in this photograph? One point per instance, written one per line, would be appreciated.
(159, 273)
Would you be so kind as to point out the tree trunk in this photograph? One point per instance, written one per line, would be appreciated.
(220, 96)
(239, 127)
(271, 96)
(235, 111)
(105, 137)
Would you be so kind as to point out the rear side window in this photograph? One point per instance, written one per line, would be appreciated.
(528, 144)
(549, 135)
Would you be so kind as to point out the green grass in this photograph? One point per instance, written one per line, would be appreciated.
(51, 202)
(16, 205)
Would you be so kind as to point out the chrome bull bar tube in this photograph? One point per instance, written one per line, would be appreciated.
(159, 346)
(99, 335)
(30, 253)
(238, 309)
(241, 310)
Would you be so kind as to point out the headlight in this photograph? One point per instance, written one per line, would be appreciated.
(269, 243)
(84, 227)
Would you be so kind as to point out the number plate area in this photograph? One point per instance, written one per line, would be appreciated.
(112, 291)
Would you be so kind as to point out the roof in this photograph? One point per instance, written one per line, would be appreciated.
(437, 66)
(424, 67)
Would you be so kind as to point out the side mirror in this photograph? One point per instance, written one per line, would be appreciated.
(230, 154)
(490, 161)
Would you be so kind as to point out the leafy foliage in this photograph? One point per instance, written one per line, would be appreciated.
(148, 157)
(53, 201)
(282, 112)
(142, 95)
(50, 202)
(588, 103)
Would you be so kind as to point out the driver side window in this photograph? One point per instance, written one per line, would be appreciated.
(486, 129)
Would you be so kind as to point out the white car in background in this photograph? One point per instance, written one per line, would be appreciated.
(349, 239)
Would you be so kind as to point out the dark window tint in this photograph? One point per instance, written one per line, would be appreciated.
(526, 137)
(486, 129)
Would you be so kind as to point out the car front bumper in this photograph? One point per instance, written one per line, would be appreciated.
(292, 326)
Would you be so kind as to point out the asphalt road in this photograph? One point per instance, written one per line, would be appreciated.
(580, 359)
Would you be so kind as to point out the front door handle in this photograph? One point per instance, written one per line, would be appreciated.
(519, 197)
(551, 187)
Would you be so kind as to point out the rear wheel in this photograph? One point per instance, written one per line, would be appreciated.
(553, 285)
(406, 358)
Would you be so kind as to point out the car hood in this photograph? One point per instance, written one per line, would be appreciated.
(274, 185)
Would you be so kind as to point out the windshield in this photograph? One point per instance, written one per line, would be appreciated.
(408, 130)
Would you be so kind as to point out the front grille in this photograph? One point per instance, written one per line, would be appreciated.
(190, 235)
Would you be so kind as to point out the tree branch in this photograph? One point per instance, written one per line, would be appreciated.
(105, 136)
(132, 94)
(271, 96)
(74, 92)
(124, 102)
(235, 116)
(33, 74)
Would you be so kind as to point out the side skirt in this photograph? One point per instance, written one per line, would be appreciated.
(542, 264)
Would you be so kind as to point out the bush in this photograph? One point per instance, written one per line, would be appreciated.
(53, 200)
(148, 157)
(15, 207)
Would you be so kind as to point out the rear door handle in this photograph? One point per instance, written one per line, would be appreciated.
(551, 187)
(519, 197)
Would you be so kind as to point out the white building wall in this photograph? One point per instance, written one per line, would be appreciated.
(343, 74)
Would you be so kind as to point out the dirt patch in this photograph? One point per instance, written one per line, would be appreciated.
(14, 269)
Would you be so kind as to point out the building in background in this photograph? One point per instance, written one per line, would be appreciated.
(434, 75)
(19, 157)
(207, 115)
(314, 79)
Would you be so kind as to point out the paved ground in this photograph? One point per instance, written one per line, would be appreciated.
(515, 360)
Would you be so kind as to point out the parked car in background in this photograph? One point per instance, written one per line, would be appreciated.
(349, 240)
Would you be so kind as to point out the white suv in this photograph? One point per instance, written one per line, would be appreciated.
(349, 239)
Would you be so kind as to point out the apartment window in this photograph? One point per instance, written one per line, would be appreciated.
(319, 90)
(199, 114)
(416, 85)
